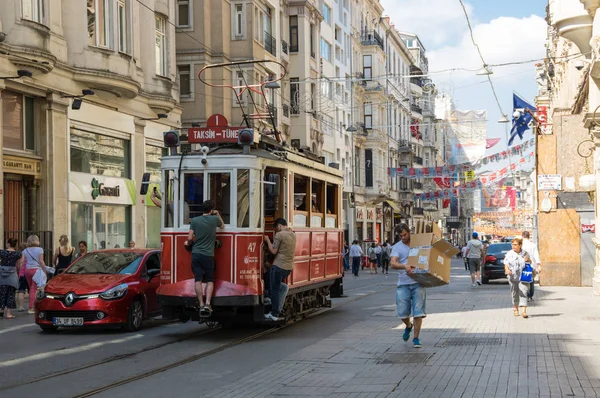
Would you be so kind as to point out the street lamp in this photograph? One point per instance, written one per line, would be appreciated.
(503, 119)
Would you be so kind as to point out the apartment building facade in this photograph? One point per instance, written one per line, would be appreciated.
(346, 95)
(84, 86)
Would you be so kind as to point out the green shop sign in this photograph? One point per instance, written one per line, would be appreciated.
(99, 189)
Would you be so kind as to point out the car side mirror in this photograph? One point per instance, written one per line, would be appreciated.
(153, 272)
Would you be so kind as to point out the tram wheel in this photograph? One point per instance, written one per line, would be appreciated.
(212, 324)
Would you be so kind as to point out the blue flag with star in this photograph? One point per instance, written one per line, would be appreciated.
(520, 124)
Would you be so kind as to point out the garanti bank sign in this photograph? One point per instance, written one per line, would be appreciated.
(101, 190)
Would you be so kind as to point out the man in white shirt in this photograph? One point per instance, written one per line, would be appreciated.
(474, 255)
(410, 296)
(536, 263)
(356, 254)
(464, 256)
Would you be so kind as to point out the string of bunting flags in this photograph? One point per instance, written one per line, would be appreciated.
(447, 171)
(448, 192)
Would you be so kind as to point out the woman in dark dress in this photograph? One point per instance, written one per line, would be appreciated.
(10, 263)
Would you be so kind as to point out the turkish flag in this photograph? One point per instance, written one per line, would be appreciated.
(446, 203)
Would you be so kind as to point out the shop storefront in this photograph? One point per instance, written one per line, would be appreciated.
(101, 194)
(101, 210)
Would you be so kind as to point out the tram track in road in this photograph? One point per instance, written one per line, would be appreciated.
(196, 357)
(181, 339)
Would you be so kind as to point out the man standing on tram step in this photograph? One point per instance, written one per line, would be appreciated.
(283, 247)
(474, 254)
(410, 296)
(356, 254)
(202, 235)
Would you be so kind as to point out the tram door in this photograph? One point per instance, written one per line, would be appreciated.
(101, 228)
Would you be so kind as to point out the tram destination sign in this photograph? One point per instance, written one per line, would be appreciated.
(217, 130)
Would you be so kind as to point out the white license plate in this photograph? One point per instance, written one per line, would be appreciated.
(67, 321)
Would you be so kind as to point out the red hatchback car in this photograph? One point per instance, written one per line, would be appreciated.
(102, 288)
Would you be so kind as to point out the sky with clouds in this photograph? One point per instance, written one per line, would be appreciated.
(505, 30)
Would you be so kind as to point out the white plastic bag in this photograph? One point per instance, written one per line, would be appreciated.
(40, 278)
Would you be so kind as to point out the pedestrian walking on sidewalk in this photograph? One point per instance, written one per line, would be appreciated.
(536, 263)
(474, 253)
(10, 264)
(345, 256)
(372, 253)
(34, 257)
(386, 255)
(356, 254)
(464, 257)
(514, 263)
(410, 296)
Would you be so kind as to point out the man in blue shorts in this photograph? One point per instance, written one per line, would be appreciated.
(410, 296)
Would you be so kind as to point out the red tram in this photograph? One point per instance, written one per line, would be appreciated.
(251, 185)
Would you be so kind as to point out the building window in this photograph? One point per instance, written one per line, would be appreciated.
(100, 23)
(33, 10)
(238, 21)
(312, 40)
(357, 166)
(368, 115)
(161, 45)
(326, 14)
(99, 154)
(123, 26)
(295, 95)
(183, 11)
(239, 84)
(325, 50)
(185, 81)
(20, 115)
(367, 67)
(369, 168)
(293, 33)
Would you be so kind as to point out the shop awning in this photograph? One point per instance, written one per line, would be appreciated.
(394, 206)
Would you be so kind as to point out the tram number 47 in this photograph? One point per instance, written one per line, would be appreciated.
(252, 247)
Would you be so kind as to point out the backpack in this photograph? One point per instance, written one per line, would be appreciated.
(385, 254)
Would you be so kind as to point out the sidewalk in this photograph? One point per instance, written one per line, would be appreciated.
(473, 346)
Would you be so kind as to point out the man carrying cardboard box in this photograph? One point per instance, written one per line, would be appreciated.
(410, 296)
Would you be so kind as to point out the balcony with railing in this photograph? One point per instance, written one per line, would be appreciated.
(416, 108)
(270, 44)
(418, 160)
(418, 81)
(430, 205)
(371, 38)
(403, 146)
(418, 211)
(284, 47)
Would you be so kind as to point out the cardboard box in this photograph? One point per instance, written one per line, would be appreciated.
(430, 255)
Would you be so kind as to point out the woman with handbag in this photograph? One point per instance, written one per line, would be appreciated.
(10, 262)
(515, 268)
(34, 255)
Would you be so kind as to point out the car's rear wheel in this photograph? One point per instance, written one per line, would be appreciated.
(135, 316)
(48, 328)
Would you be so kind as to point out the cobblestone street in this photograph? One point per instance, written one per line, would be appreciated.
(473, 347)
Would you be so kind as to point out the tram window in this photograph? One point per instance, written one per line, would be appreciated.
(243, 198)
(220, 193)
(273, 200)
(301, 202)
(193, 194)
(300, 191)
(317, 203)
(158, 200)
(331, 199)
